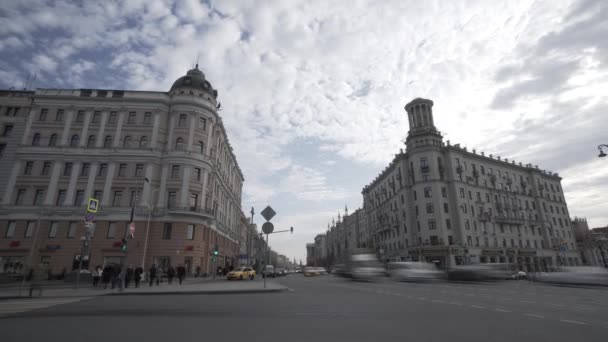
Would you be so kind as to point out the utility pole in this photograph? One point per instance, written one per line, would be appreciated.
(129, 230)
(250, 239)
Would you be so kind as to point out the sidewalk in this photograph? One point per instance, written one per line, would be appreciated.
(194, 286)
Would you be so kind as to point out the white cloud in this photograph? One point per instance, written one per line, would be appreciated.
(44, 63)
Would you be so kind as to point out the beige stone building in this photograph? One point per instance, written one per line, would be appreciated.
(450, 205)
(166, 154)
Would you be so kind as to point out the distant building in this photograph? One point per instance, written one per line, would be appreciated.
(165, 153)
(443, 203)
(310, 254)
(592, 243)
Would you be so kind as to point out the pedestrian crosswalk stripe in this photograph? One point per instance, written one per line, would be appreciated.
(19, 306)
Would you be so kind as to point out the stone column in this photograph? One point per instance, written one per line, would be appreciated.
(209, 138)
(184, 191)
(85, 127)
(90, 182)
(69, 198)
(191, 131)
(69, 118)
(107, 187)
(10, 185)
(204, 189)
(121, 120)
(102, 127)
(51, 191)
(155, 128)
(28, 125)
(170, 142)
(163, 187)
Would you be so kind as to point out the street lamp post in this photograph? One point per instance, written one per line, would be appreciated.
(600, 147)
(150, 209)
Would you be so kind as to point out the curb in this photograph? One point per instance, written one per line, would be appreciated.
(213, 292)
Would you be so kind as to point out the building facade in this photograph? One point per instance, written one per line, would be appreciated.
(592, 243)
(445, 204)
(165, 154)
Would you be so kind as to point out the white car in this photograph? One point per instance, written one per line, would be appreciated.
(414, 271)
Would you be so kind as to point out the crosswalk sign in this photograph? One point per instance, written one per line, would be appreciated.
(92, 205)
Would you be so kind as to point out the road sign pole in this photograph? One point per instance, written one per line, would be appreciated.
(266, 267)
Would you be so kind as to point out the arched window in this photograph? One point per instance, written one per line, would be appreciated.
(127, 141)
(75, 140)
(143, 141)
(201, 147)
(36, 139)
(179, 144)
(53, 140)
(108, 141)
(91, 141)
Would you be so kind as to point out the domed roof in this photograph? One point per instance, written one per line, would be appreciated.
(194, 79)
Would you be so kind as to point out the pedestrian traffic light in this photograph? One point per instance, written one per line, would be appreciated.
(216, 251)
(123, 247)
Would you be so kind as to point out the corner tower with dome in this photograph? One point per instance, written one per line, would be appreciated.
(167, 154)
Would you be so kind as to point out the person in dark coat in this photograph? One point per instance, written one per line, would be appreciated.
(153, 277)
(106, 276)
(138, 272)
(128, 276)
(115, 276)
(170, 274)
(181, 273)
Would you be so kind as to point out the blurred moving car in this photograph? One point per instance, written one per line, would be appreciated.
(480, 272)
(520, 275)
(279, 272)
(241, 273)
(414, 271)
(365, 267)
(268, 271)
(340, 270)
(577, 275)
(314, 271)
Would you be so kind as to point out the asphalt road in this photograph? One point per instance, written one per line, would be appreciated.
(330, 309)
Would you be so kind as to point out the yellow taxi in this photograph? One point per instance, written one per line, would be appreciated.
(241, 273)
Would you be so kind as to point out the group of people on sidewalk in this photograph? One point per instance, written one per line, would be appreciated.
(110, 274)
(180, 272)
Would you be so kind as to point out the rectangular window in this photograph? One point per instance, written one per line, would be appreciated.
(426, 178)
(132, 198)
(478, 196)
(444, 192)
(20, 196)
(117, 199)
(167, 231)
(79, 198)
(446, 208)
(46, 167)
(424, 162)
(29, 229)
(72, 230)
(67, 169)
(428, 192)
(132, 118)
(432, 225)
(462, 195)
(97, 194)
(464, 208)
(122, 170)
(59, 115)
(80, 116)
(84, 171)
(429, 208)
(103, 168)
(147, 118)
(477, 241)
(96, 117)
(7, 130)
(202, 124)
(448, 224)
(415, 197)
(469, 241)
(416, 208)
(43, 113)
(28, 168)
(182, 120)
(10, 229)
(470, 195)
(450, 240)
(53, 229)
(190, 232)
(112, 119)
(467, 225)
(193, 201)
(174, 171)
(111, 230)
(197, 174)
(60, 197)
(171, 199)
(38, 197)
(139, 170)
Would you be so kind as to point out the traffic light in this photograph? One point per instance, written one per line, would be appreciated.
(123, 247)
(216, 251)
(291, 230)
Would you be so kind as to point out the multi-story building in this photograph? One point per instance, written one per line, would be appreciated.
(166, 154)
(443, 203)
(310, 254)
(592, 243)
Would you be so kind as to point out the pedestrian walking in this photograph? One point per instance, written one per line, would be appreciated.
(97, 275)
(106, 275)
(128, 276)
(153, 275)
(115, 276)
(181, 273)
(170, 274)
(138, 272)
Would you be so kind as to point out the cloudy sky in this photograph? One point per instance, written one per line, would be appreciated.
(313, 92)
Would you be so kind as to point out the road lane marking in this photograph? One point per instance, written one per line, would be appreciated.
(437, 301)
(502, 310)
(573, 322)
(469, 294)
(456, 303)
(478, 307)
(533, 315)
(422, 298)
(527, 301)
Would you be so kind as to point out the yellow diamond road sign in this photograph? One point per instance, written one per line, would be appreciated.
(92, 205)
(268, 213)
